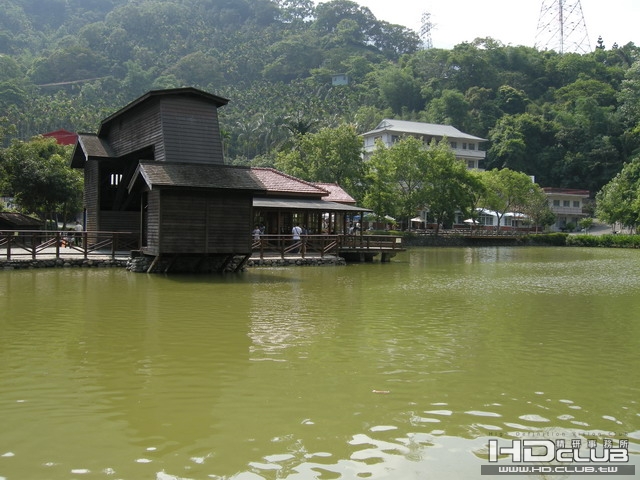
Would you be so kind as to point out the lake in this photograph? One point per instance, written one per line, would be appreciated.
(402, 370)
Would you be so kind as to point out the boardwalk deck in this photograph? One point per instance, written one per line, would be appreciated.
(41, 245)
(356, 248)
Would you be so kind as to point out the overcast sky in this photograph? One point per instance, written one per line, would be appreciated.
(512, 22)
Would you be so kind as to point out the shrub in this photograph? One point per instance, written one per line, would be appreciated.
(615, 241)
(550, 239)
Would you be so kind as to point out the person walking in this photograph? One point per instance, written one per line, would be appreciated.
(296, 232)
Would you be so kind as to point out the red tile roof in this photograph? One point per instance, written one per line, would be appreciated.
(63, 137)
(276, 182)
(336, 193)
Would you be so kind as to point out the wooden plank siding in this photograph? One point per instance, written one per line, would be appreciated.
(118, 221)
(191, 131)
(204, 222)
(131, 133)
(91, 194)
(151, 238)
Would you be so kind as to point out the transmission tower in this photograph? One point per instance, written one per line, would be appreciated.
(561, 27)
(425, 30)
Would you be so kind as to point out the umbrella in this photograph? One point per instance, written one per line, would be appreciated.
(471, 220)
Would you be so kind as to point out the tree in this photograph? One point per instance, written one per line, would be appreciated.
(380, 195)
(449, 186)
(409, 159)
(618, 201)
(506, 190)
(399, 89)
(39, 177)
(525, 143)
(333, 155)
(537, 208)
(410, 176)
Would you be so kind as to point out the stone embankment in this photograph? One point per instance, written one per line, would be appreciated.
(62, 263)
(289, 262)
(141, 264)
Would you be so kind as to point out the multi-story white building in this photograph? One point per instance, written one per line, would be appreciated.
(466, 147)
(567, 204)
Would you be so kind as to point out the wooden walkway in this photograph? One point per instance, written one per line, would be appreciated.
(351, 247)
(34, 245)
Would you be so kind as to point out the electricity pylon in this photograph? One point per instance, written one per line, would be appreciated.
(561, 27)
(425, 30)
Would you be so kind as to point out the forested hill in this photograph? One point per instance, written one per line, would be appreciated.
(571, 120)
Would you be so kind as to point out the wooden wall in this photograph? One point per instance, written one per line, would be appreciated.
(202, 222)
(91, 194)
(151, 240)
(180, 129)
(133, 132)
(191, 132)
(119, 221)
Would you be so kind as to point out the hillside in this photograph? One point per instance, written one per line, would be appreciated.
(571, 120)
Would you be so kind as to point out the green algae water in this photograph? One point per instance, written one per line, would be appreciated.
(402, 370)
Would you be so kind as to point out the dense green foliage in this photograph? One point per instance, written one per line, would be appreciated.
(571, 120)
(608, 241)
(38, 176)
(619, 200)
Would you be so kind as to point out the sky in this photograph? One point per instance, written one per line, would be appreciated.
(513, 22)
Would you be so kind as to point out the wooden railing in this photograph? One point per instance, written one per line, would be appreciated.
(62, 244)
(284, 245)
(321, 245)
(478, 232)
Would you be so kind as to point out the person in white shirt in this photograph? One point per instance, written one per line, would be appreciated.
(296, 232)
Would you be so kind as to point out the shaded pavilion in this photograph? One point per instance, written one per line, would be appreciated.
(317, 207)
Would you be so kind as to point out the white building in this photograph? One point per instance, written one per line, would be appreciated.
(466, 147)
(567, 204)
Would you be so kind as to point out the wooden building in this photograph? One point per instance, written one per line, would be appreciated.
(156, 168)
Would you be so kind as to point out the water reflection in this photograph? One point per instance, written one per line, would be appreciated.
(400, 370)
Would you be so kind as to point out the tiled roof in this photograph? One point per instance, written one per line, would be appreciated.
(420, 128)
(565, 191)
(62, 136)
(336, 193)
(89, 145)
(276, 182)
(19, 220)
(165, 174)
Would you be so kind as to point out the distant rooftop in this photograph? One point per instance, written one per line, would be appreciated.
(565, 191)
(419, 128)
